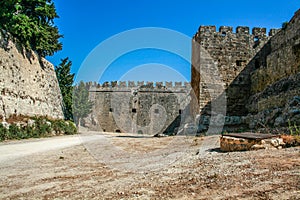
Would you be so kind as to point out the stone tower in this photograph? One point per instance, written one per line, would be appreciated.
(223, 55)
(255, 78)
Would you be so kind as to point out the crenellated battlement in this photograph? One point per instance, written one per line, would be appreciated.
(137, 84)
(257, 32)
(231, 50)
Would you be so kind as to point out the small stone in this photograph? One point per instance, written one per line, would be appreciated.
(258, 146)
(279, 121)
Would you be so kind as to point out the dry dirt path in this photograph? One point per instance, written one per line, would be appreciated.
(18, 149)
(124, 166)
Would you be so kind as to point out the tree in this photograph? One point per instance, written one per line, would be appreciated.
(32, 23)
(82, 106)
(66, 80)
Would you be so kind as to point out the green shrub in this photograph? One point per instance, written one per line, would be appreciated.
(3, 132)
(14, 132)
(66, 127)
(42, 127)
(58, 126)
(70, 128)
(28, 132)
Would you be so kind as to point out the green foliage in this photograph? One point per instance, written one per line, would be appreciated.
(14, 132)
(66, 127)
(58, 126)
(42, 127)
(3, 132)
(82, 106)
(30, 132)
(65, 80)
(294, 129)
(70, 129)
(32, 23)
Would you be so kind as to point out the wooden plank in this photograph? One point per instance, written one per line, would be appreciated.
(254, 136)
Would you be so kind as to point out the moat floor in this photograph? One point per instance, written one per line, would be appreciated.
(125, 166)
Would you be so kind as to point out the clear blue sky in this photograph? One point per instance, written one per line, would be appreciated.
(86, 24)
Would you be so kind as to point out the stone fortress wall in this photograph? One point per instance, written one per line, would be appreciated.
(258, 73)
(138, 107)
(27, 87)
(229, 53)
(275, 79)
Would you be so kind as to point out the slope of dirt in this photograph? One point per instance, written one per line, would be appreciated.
(193, 168)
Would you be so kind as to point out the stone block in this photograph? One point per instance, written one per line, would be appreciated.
(228, 144)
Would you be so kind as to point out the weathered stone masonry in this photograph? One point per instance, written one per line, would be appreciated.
(275, 79)
(138, 107)
(230, 53)
(259, 73)
(26, 87)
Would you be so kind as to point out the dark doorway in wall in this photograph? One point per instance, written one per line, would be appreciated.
(133, 110)
(111, 110)
(180, 111)
(118, 131)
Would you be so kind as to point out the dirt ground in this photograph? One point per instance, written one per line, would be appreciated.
(124, 166)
